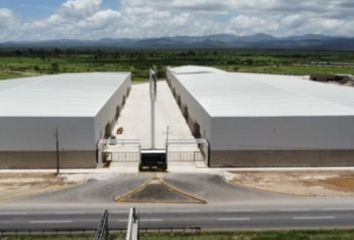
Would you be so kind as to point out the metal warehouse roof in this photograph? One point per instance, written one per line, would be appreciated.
(224, 94)
(64, 95)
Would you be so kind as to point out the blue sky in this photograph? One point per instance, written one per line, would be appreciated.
(94, 19)
(31, 9)
(34, 9)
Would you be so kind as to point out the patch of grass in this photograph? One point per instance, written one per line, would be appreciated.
(47, 237)
(298, 69)
(290, 235)
(61, 237)
(9, 75)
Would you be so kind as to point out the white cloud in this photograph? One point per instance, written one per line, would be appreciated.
(8, 23)
(80, 8)
(7, 19)
(243, 25)
(100, 20)
(88, 19)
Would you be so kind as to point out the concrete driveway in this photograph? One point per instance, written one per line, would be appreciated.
(210, 187)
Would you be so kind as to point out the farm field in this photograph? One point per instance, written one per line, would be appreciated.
(15, 63)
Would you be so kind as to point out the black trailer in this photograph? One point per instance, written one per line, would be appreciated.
(153, 160)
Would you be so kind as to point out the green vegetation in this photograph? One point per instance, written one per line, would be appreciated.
(291, 235)
(23, 62)
(50, 237)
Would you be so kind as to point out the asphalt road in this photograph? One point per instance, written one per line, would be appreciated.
(206, 218)
(102, 191)
(228, 208)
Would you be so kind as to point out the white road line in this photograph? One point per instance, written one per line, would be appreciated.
(151, 220)
(314, 218)
(294, 210)
(338, 209)
(233, 219)
(240, 210)
(49, 221)
(184, 211)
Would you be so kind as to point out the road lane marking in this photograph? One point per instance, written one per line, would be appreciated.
(49, 221)
(240, 210)
(233, 219)
(314, 218)
(184, 211)
(151, 220)
(294, 210)
(338, 209)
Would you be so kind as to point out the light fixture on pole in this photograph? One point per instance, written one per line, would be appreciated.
(153, 95)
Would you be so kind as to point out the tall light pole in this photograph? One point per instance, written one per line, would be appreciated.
(153, 95)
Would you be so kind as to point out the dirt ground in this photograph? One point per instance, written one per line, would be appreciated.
(19, 185)
(305, 183)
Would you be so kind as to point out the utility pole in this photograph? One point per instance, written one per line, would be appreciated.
(153, 95)
(57, 150)
(167, 135)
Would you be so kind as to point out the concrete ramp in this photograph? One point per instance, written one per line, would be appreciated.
(156, 190)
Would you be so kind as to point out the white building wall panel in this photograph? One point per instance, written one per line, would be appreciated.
(38, 134)
(108, 111)
(283, 133)
(196, 111)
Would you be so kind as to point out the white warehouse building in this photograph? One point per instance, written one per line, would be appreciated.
(79, 105)
(260, 120)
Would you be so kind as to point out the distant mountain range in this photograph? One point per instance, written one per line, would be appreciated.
(256, 41)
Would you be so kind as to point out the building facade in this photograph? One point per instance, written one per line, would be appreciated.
(78, 106)
(260, 120)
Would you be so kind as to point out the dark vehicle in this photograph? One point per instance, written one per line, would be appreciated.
(153, 160)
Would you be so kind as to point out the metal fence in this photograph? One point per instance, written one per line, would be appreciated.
(102, 232)
(125, 156)
(192, 150)
(184, 156)
(120, 150)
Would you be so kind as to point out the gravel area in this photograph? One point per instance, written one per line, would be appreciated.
(303, 183)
